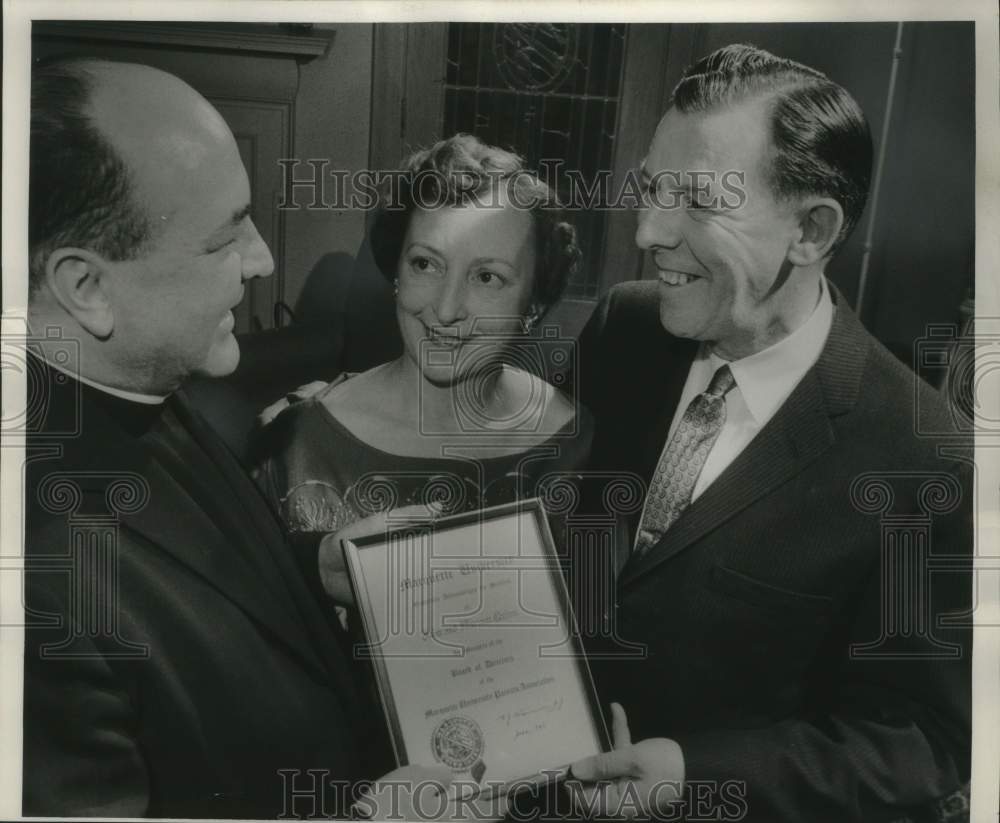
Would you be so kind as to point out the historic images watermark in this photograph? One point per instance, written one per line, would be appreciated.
(314, 793)
(311, 184)
(469, 357)
(965, 363)
(22, 352)
(910, 505)
(89, 558)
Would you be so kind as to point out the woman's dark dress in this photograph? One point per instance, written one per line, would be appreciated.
(320, 478)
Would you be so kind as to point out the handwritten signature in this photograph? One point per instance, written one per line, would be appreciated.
(518, 715)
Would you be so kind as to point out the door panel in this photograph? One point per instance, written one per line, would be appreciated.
(262, 135)
(248, 72)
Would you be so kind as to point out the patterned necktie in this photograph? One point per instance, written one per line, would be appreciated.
(683, 459)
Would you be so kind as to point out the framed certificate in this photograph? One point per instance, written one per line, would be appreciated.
(476, 654)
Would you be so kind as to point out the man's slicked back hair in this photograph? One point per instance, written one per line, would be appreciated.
(820, 138)
(79, 189)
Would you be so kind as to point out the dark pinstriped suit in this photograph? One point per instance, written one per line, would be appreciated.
(750, 603)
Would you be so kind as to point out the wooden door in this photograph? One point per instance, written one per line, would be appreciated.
(262, 133)
(249, 72)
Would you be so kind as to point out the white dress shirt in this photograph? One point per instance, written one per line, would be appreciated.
(763, 382)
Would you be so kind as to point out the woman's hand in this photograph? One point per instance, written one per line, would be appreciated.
(332, 565)
(296, 396)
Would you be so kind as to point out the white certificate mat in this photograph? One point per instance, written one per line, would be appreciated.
(475, 649)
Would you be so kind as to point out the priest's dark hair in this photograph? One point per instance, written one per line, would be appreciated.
(79, 188)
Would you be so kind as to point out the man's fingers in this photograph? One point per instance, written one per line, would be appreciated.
(402, 793)
(436, 774)
(619, 727)
(593, 799)
(607, 766)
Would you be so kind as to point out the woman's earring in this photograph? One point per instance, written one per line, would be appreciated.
(395, 287)
(531, 318)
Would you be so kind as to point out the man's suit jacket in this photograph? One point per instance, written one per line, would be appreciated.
(791, 629)
(174, 660)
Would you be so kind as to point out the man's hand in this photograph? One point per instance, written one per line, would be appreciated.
(409, 793)
(421, 793)
(644, 778)
(332, 565)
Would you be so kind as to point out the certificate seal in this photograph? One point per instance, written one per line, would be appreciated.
(458, 742)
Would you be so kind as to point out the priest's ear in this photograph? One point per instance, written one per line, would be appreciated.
(820, 222)
(78, 281)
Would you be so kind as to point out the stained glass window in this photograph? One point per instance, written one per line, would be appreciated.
(549, 92)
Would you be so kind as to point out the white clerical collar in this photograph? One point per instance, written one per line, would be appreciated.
(134, 397)
(765, 379)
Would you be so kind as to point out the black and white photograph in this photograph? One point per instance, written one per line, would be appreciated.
(500, 411)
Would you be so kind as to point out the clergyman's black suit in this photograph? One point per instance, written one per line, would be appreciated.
(181, 671)
(794, 635)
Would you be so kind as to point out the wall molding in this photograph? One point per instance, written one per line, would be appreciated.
(276, 39)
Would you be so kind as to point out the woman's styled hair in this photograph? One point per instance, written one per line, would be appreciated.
(463, 169)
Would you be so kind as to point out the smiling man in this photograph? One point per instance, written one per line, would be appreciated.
(778, 683)
(148, 288)
(175, 663)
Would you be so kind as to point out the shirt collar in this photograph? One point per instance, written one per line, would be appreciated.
(132, 397)
(765, 379)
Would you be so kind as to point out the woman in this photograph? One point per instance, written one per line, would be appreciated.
(477, 254)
